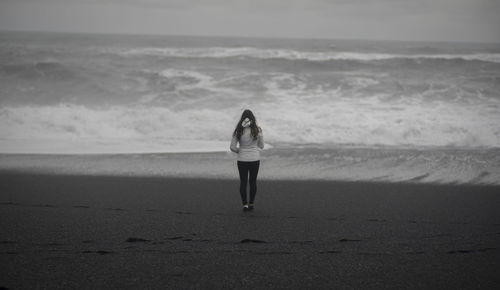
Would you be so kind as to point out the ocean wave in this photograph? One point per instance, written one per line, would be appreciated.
(186, 78)
(288, 54)
(367, 122)
(49, 69)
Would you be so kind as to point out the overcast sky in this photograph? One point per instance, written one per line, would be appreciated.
(447, 20)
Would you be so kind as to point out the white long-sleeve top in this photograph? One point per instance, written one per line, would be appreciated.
(249, 149)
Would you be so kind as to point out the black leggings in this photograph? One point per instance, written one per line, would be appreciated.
(248, 168)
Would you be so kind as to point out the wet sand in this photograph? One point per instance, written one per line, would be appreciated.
(102, 232)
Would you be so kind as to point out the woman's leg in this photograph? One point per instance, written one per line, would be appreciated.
(243, 170)
(254, 171)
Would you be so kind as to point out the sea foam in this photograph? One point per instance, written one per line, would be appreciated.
(286, 120)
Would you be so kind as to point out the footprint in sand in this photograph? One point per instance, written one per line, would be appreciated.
(274, 253)
(349, 240)
(137, 240)
(330, 252)
(7, 242)
(244, 241)
(100, 252)
(9, 203)
(10, 253)
(470, 251)
(460, 252)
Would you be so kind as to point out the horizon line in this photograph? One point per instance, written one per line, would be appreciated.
(246, 36)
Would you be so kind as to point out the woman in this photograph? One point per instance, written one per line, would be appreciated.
(250, 139)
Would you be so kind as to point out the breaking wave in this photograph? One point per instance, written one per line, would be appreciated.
(259, 53)
(363, 123)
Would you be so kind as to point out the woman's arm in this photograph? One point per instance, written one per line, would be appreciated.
(233, 146)
(260, 139)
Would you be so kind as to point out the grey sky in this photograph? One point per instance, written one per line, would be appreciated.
(455, 20)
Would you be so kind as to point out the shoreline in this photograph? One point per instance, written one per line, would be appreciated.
(118, 232)
(392, 165)
(235, 179)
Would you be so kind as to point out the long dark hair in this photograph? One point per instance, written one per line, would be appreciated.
(254, 129)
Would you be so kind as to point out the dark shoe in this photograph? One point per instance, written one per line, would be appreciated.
(245, 207)
(250, 206)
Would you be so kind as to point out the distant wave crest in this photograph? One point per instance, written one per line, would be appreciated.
(259, 53)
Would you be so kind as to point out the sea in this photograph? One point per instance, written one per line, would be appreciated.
(398, 111)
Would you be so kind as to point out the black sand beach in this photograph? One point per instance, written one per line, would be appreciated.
(97, 232)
